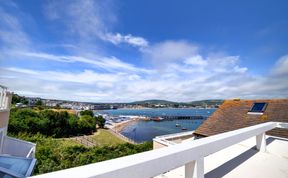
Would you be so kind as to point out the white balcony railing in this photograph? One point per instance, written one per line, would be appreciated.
(152, 163)
(8, 145)
(18, 148)
(15, 147)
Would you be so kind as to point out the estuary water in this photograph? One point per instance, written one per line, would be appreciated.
(147, 130)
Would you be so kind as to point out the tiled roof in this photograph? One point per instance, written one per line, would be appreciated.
(232, 115)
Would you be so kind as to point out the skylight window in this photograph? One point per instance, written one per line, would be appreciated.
(258, 108)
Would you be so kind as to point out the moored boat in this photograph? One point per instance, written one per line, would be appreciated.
(157, 119)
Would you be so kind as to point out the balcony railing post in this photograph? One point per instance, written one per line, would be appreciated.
(1, 141)
(261, 142)
(195, 169)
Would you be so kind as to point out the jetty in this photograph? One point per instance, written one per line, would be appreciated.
(183, 117)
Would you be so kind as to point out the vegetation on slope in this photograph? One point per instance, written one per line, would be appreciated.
(50, 123)
(56, 154)
(42, 126)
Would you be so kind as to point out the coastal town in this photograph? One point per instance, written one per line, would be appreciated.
(24, 101)
(117, 122)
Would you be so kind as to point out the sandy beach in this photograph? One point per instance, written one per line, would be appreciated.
(118, 127)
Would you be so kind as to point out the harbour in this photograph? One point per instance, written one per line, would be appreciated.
(142, 125)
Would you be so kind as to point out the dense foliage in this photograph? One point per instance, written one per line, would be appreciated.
(87, 112)
(56, 154)
(99, 119)
(50, 123)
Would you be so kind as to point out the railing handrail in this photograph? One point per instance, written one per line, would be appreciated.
(155, 162)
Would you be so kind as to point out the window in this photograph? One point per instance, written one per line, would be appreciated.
(258, 107)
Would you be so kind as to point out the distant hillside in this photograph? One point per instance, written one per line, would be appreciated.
(165, 102)
(153, 102)
(207, 102)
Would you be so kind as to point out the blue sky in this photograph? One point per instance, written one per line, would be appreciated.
(118, 51)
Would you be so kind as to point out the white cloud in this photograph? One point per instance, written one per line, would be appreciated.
(170, 51)
(196, 60)
(175, 84)
(129, 39)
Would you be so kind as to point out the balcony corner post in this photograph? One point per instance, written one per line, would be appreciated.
(195, 169)
(261, 142)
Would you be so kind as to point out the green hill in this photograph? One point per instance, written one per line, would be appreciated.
(153, 102)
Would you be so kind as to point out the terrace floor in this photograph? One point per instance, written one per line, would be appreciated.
(243, 160)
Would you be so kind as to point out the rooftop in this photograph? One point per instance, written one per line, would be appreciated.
(236, 114)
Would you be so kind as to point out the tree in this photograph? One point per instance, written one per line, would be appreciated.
(57, 106)
(87, 112)
(87, 124)
(18, 99)
(100, 121)
(39, 103)
(50, 123)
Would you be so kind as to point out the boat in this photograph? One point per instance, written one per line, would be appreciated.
(177, 125)
(183, 128)
(157, 119)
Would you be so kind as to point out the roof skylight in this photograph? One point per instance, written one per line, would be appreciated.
(258, 108)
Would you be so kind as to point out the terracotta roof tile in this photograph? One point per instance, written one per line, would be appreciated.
(232, 115)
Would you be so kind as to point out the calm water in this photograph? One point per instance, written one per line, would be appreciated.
(161, 112)
(147, 130)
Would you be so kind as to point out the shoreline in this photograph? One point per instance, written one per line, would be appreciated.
(117, 128)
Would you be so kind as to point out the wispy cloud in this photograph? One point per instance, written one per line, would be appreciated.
(106, 63)
(90, 20)
(85, 19)
(281, 67)
(11, 31)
